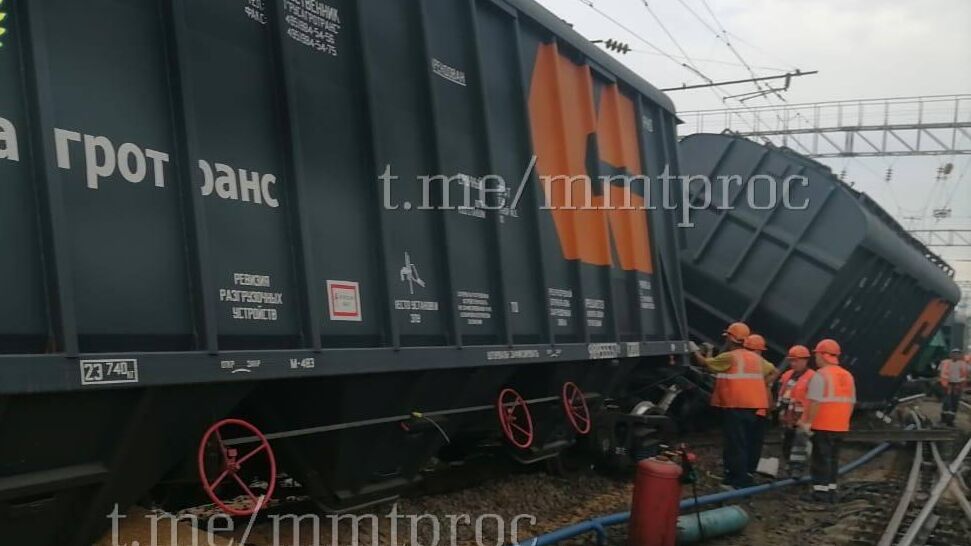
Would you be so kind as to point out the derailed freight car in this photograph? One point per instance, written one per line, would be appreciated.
(212, 210)
(806, 259)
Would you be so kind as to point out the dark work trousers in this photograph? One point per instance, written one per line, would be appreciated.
(788, 434)
(758, 440)
(795, 446)
(738, 427)
(951, 403)
(825, 462)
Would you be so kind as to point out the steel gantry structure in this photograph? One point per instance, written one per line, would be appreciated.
(910, 126)
(943, 237)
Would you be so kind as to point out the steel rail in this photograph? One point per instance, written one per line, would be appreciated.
(901, 435)
(911, 398)
(908, 495)
(953, 486)
(918, 524)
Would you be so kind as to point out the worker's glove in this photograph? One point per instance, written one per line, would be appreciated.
(693, 347)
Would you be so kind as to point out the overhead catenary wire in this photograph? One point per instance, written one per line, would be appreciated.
(937, 188)
(765, 52)
(670, 36)
(705, 60)
(605, 15)
(957, 184)
(724, 37)
(717, 92)
(739, 39)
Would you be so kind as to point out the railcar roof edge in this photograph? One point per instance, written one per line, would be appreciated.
(881, 229)
(549, 20)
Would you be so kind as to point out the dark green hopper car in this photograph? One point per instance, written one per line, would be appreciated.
(195, 227)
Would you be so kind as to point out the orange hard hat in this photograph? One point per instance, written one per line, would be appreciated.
(754, 342)
(737, 331)
(829, 349)
(799, 351)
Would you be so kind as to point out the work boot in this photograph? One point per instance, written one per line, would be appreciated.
(814, 497)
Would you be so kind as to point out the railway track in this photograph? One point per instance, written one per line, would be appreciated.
(917, 517)
(885, 503)
(901, 502)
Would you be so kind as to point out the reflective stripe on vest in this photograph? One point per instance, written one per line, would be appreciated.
(742, 385)
(794, 393)
(962, 369)
(795, 390)
(839, 396)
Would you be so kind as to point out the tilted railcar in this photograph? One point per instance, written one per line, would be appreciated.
(198, 221)
(805, 260)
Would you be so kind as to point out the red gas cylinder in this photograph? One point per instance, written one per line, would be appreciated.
(654, 507)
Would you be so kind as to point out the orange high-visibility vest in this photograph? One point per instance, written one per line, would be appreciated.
(792, 394)
(946, 371)
(742, 385)
(839, 396)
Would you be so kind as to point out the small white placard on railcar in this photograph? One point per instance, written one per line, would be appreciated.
(344, 299)
(109, 371)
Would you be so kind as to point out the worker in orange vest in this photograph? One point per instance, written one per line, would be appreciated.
(793, 389)
(756, 344)
(954, 378)
(831, 396)
(739, 392)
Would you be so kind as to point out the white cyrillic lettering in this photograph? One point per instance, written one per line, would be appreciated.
(226, 183)
(102, 160)
(249, 185)
(207, 184)
(265, 182)
(96, 170)
(159, 159)
(8, 141)
(61, 138)
(238, 184)
(126, 153)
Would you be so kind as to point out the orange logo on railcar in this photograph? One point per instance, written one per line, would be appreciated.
(919, 333)
(564, 120)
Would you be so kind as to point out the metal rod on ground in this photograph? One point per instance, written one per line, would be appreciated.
(911, 398)
(898, 514)
(381, 420)
(953, 486)
(939, 488)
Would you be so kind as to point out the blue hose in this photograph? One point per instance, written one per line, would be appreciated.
(597, 525)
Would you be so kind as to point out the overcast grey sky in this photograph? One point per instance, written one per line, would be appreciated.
(862, 49)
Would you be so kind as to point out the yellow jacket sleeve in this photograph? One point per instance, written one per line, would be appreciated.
(719, 363)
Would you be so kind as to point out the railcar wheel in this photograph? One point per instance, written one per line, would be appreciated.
(230, 465)
(515, 419)
(575, 407)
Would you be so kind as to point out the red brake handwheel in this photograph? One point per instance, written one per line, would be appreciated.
(575, 407)
(515, 419)
(231, 464)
